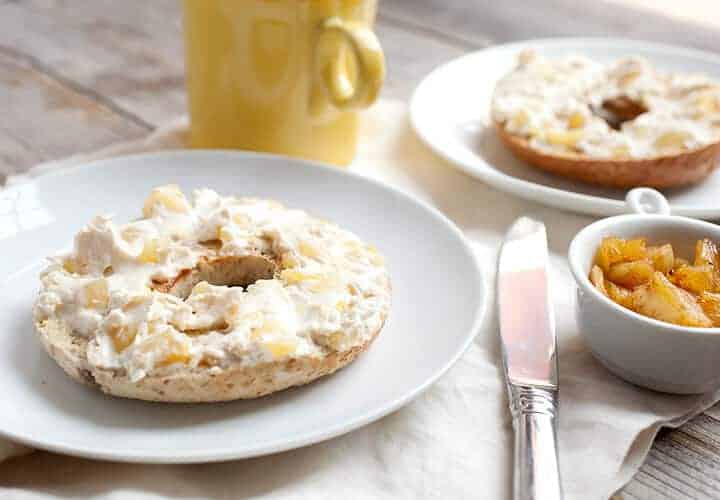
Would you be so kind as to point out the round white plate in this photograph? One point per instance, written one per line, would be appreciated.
(450, 111)
(438, 304)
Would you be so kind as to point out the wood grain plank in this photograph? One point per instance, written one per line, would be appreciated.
(127, 54)
(434, 32)
(682, 463)
(706, 429)
(694, 455)
(43, 119)
(410, 57)
(646, 486)
(630, 493)
(480, 21)
(676, 471)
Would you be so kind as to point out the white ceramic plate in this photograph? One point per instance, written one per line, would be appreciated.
(450, 111)
(438, 304)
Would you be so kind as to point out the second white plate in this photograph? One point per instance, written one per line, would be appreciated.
(450, 111)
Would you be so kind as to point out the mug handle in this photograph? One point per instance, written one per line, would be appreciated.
(336, 33)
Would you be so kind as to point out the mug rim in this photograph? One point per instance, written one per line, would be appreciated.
(582, 280)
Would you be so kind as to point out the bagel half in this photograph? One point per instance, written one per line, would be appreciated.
(296, 299)
(681, 169)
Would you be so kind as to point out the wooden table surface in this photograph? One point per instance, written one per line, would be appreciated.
(77, 75)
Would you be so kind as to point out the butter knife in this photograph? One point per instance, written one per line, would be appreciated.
(527, 335)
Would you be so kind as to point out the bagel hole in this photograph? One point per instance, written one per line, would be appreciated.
(619, 110)
(237, 271)
(214, 244)
(225, 271)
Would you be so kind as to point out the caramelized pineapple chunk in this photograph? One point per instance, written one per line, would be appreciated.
(169, 196)
(696, 279)
(208, 361)
(317, 282)
(568, 138)
(706, 253)
(268, 326)
(621, 151)
(333, 341)
(122, 336)
(576, 120)
(280, 349)
(154, 250)
(519, 119)
(710, 303)
(178, 356)
(308, 249)
(325, 284)
(679, 262)
(616, 293)
(150, 253)
(672, 141)
(597, 278)
(620, 295)
(292, 277)
(288, 261)
(630, 274)
(652, 281)
(662, 257)
(169, 349)
(706, 102)
(71, 265)
(613, 250)
(626, 79)
(223, 234)
(96, 294)
(662, 300)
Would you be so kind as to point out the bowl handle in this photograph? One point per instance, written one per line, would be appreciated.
(647, 201)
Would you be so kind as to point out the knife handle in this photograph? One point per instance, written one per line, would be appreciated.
(537, 473)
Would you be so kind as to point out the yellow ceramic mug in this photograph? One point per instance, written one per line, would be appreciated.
(284, 76)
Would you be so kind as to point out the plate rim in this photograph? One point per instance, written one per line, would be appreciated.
(232, 453)
(547, 195)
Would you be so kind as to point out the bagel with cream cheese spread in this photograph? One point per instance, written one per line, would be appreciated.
(220, 299)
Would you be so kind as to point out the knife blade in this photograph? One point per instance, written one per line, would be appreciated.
(529, 351)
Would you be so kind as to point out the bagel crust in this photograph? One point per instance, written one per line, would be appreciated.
(622, 124)
(223, 299)
(195, 385)
(680, 169)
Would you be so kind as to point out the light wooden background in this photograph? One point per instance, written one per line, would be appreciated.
(77, 75)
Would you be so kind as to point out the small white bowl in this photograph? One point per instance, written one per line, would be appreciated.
(647, 352)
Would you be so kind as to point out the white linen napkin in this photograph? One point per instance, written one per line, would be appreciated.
(455, 440)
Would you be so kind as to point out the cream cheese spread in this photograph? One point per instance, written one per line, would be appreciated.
(330, 292)
(558, 105)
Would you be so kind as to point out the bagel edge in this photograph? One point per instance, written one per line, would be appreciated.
(681, 169)
(192, 385)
